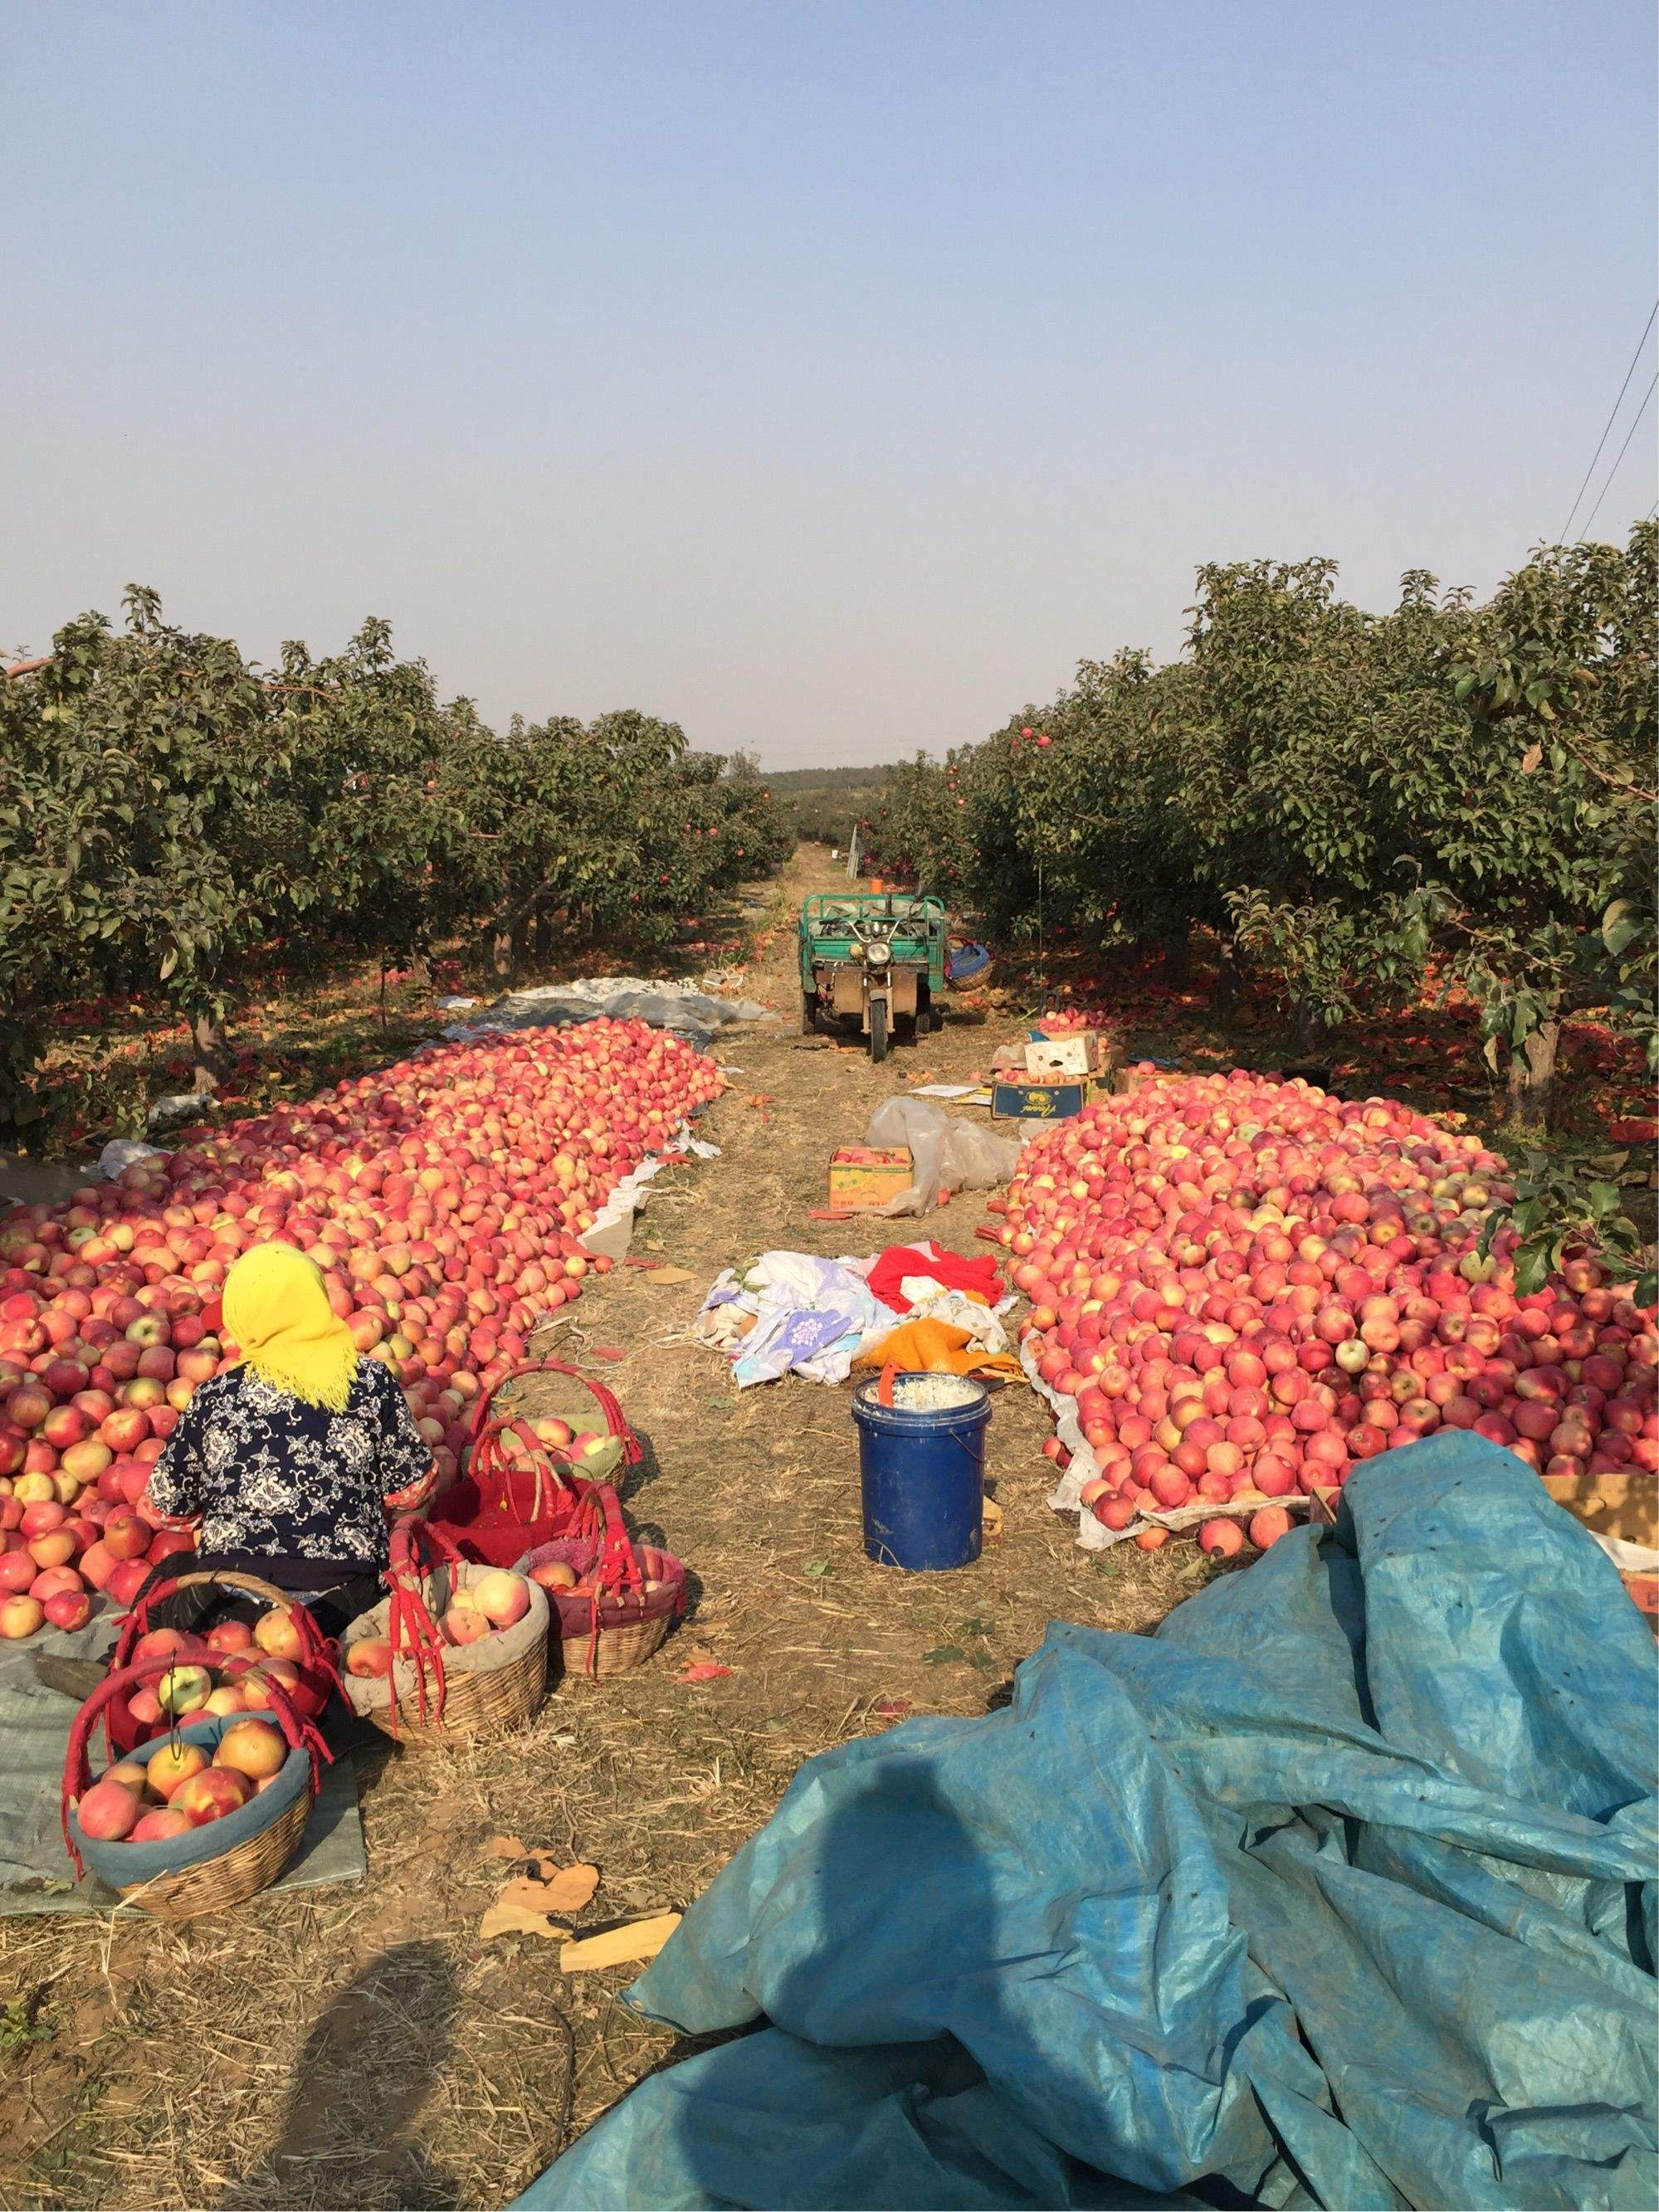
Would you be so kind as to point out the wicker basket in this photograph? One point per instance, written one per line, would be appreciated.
(237, 1874)
(518, 1493)
(624, 1624)
(263, 1842)
(442, 1694)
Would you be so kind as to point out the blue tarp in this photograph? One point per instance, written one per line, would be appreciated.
(1339, 1891)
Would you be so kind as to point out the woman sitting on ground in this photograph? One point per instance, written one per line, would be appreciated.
(293, 1458)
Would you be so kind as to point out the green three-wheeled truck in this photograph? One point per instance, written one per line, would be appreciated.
(880, 955)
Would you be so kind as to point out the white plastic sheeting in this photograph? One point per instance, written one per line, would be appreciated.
(956, 1154)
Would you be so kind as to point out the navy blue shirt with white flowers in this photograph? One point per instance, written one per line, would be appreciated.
(271, 1475)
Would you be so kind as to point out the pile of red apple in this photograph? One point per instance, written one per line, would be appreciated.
(443, 1198)
(1247, 1286)
(181, 1786)
(497, 1601)
(57, 1550)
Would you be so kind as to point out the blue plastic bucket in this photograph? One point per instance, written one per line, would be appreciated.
(922, 1475)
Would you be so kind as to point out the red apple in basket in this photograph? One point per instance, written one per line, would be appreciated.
(160, 1826)
(465, 1624)
(172, 1765)
(108, 1811)
(171, 1644)
(369, 1657)
(253, 1749)
(211, 1793)
(502, 1597)
(277, 1633)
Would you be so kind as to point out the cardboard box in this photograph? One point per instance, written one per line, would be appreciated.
(862, 1176)
(1137, 1078)
(1049, 1057)
(1041, 1102)
(1622, 1502)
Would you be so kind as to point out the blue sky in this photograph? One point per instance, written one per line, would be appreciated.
(831, 377)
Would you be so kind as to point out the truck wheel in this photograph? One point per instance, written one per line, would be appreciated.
(924, 1013)
(809, 1014)
(879, 1030)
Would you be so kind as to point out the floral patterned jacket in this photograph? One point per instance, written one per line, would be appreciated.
(272, 1476)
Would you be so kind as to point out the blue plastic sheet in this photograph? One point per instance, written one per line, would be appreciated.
(1340, 1890)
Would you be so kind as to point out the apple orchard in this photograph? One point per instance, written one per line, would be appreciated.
(1239, 1288)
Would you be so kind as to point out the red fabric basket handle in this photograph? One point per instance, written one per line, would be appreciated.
(491, 1462)
(617, 1568)
(119, 1682)
(415, 1548)
(616, 1420)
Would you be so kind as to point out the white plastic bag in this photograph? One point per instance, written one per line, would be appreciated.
(958, 1154)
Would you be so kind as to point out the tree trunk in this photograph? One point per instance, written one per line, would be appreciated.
(212, 1056)
(1229, 977)
(1178, 957)
(420, 971)
(1532, 1074)
(500, 953)
(1306, 1031)
(541, 934)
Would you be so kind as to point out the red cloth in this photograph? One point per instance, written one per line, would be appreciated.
(980, 1278)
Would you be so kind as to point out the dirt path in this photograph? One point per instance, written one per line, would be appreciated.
(363, 2047)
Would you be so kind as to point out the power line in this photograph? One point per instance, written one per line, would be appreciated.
(1602, 441)
(1623, 450)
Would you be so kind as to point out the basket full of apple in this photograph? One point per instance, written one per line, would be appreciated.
(201, 1817)
(455, 1652)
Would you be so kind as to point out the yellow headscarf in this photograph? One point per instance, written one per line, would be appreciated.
(276, 1310)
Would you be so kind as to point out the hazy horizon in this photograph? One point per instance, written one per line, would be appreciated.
(829, 379)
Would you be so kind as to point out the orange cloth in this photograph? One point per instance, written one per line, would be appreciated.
(933, 1347)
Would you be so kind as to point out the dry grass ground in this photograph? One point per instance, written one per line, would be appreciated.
(360, 2046)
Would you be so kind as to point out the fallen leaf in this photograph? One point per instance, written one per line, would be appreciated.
(570, 1888)
(545, 1890)
(643, 1938)
(506, 1847)
(668, 1275)
(993, 1519)
(607, 1352)
(518, 1920)
(706, 1671)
